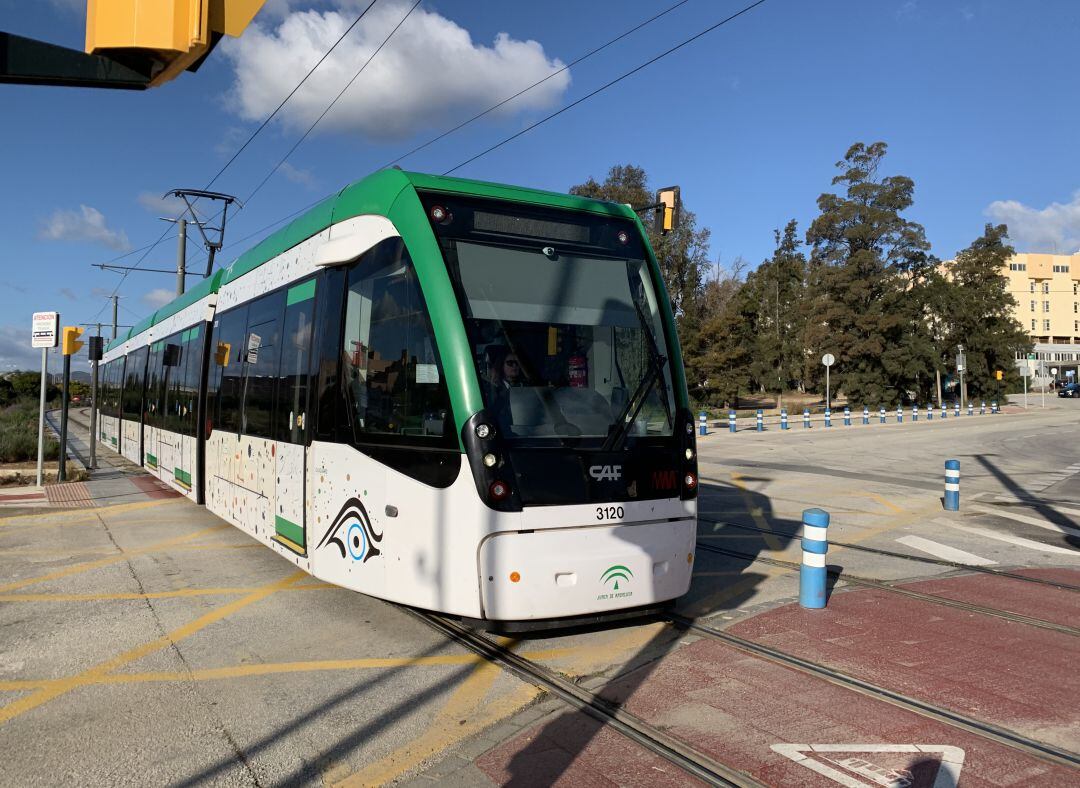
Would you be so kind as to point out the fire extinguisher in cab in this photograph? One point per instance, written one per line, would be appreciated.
(579, 370)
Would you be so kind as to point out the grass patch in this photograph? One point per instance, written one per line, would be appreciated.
(19, 434)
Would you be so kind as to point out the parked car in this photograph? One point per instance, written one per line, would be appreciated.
(1070, 390)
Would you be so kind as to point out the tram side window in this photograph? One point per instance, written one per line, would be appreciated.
(173, 372)
(393, 380)
(225, 384)
(262, 353)
(192, 361)
(132, 397)
(290, 420)
(154, 381)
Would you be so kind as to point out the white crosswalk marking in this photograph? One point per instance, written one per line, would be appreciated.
(1019, 541)
(943, 551)
(1023, 518)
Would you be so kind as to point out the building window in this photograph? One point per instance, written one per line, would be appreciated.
(1033, 285)
(1076, 305)
(1032, 325)
(1032, 306)
(1075, 289)
(1046, 325)
(1046, 288)
(1046, 306)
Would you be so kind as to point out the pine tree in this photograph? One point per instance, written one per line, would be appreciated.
(980, 313)
(862, 250)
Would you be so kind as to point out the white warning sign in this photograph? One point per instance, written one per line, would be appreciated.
(888, 765)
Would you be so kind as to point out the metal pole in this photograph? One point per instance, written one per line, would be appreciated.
(1042, 377)
(61, 475)
(115, 306)
(94, 410)
(41, 418)
(181, 255)
(827, 400)
(1027, 368)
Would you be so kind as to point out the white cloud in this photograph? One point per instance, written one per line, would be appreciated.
(170, 207)
(86, 224)
(430, 72)
(158, 297)
(1055, 228)
(16, 353)
(68, 293)
(298, 175)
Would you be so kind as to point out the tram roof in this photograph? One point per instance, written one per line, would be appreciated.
(374, 194)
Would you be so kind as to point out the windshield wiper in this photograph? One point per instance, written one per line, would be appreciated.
(621, 429)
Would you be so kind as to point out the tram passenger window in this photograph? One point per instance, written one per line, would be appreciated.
(132, 397)
(192, 360)
(292, 383)
(262, 352)
(393, 380)
(173, 368)
(153, 386)
(225, 387)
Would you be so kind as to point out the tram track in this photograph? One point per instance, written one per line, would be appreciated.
(905, 556)
(679, 753)
(883, 585)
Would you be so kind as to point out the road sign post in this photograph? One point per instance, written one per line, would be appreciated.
(44, 331)
(828, 360)
(961, 365)
(69, 347)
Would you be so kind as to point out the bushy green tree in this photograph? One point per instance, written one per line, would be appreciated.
(980, 313)
(861, 252)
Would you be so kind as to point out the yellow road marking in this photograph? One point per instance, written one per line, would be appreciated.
(65, 685)
(76, 516)
(266, 669)
(882, 500)
(112, 551)
(463, 714)
(181, 592)
(86, 566)
(771, 539)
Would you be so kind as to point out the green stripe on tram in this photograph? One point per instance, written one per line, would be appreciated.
(289, 530)
(182, 477)
(302, 292)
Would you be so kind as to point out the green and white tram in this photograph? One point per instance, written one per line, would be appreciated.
(455, 395)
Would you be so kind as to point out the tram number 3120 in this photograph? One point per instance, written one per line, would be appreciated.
(609, 513)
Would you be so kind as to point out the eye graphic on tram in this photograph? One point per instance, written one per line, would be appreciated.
(352, 533)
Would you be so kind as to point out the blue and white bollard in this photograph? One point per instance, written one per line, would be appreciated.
(881, 414)
(703, 424)
(971, 409)
(865, 415)
(914, 413)
(828, 417)
(783, 419)
(899, 414)
(760, 421)
(993, 407)
(944, 411)
(806, 418)
(982, 408)
(847, 417)
(952, 485)
(929, 412)
(815, 544)
(956, 408)
(731, 421)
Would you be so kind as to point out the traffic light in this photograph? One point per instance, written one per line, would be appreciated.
(669, 202)
(221, 355)
(163, 38)
(70, 344)
(999, 374)
(97, 348)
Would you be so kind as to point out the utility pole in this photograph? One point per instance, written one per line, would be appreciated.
(181, 252)
(115, 308)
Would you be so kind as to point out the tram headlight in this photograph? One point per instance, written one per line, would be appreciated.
(490, 460)
(690, 481)
(689, 428)
(484, 431)
(441, 215)
(689, 454)
(623, 236)
(499, 490)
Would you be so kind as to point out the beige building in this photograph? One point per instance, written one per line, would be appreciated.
(1047, 290)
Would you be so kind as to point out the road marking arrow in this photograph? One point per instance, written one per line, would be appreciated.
(948, 773)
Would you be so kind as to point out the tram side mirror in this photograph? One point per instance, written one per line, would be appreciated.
(171, 357)
(666, 214)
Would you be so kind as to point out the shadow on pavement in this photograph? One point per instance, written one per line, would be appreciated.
(1050, 514)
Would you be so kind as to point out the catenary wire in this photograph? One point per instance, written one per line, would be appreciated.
(605, 86)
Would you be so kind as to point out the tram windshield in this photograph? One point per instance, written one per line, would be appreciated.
(564, 323)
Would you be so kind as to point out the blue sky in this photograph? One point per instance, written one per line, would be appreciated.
(976, 98)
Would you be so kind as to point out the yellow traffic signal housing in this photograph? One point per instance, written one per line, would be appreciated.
(668, 203)
(70, 344)
(221, 355)
(999, 374)
(163, 37)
